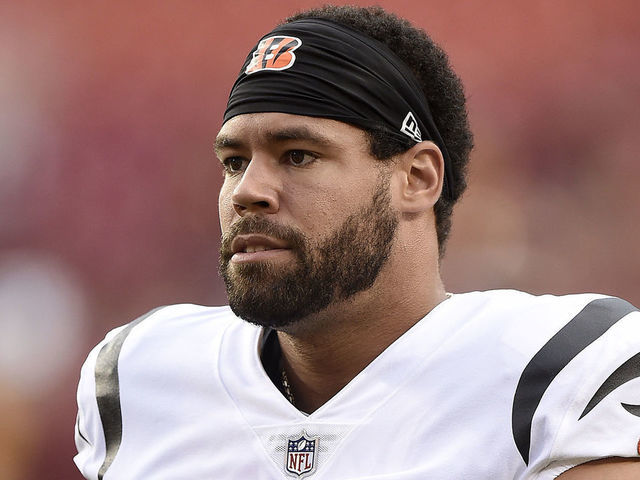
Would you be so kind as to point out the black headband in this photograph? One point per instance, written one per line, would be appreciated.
(319, 68)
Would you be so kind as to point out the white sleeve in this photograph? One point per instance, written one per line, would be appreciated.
(591, 409)
(89, 435)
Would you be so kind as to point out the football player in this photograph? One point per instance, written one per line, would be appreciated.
(341, 356)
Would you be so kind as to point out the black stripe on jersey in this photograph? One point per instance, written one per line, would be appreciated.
(587, 326)
(624, 373)
(80, 431)
(108, 392)
(632, 409)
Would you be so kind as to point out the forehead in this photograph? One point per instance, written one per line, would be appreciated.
(270, 127)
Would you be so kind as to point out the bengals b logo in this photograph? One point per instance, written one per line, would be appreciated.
(274, 53)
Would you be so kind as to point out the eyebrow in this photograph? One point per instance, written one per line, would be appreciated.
(277, 136)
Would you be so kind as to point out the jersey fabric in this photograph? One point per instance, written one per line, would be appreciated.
(488, 385)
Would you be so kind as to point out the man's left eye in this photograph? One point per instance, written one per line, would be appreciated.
(299, 157)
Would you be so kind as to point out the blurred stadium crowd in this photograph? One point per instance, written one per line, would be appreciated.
(108, 181)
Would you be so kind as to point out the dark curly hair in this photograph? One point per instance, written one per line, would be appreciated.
(441, 86)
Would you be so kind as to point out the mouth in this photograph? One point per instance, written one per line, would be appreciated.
(255, 247)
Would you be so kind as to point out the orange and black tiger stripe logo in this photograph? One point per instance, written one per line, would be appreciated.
(274, 53)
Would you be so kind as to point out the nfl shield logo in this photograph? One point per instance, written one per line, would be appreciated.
(301, 455)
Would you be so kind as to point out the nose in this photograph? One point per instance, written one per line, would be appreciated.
(257, 190)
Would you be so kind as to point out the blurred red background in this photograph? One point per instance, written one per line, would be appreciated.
(108, 181)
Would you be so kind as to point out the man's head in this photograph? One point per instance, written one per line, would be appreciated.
(307, 221)
(436, 80)
(345, 71)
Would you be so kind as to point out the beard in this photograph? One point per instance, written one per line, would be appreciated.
(346, 262)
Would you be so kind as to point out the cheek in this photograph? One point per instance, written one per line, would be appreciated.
(319, 212)
(225, 207)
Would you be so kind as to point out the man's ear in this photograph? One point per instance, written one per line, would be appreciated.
(421, 173)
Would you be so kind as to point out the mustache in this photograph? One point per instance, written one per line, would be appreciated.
(294, 238)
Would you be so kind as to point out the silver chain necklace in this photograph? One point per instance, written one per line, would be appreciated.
(287, 387)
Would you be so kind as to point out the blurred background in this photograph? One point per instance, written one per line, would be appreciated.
(108, 181)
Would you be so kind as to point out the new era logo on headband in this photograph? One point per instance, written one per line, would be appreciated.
(410, 127)
(274, 53)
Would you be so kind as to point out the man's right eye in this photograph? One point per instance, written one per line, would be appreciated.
(234, 164)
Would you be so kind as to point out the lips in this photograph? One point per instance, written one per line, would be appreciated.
(254, 243)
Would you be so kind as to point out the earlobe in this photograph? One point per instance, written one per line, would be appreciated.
(422, 170)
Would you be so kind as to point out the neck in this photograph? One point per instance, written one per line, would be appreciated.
(326, 352)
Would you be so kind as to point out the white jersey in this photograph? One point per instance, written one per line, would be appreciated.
(489, 385)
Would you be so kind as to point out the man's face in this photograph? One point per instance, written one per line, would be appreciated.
(305, 213)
